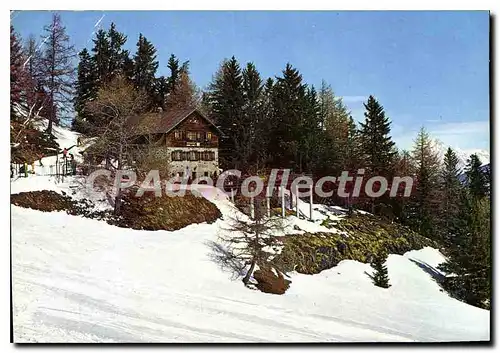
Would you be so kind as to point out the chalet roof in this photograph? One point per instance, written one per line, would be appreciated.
(162, 122)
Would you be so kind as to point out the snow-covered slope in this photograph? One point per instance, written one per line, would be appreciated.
(82, 280)
(463, 155)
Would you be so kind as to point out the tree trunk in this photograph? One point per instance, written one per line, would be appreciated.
(118, 198)
(246, 279)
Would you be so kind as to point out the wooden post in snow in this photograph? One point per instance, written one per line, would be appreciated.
(282, 202)
(252, 210)
(297, 201)
(310, 203)
(268, 204)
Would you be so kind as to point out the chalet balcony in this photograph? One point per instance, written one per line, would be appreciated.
(193, 143)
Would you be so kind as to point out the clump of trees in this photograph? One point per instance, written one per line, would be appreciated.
(108, 59)
(40, 86)
(468, 233)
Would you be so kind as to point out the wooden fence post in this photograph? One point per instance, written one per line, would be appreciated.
(252, 210)
(310, 203)
(282, 202)
(297, 201)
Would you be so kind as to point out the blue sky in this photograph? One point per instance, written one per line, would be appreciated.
(426, 68)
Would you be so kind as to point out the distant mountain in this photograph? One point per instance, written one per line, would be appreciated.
(463, 155)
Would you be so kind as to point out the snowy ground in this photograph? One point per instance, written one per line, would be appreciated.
(82, 280)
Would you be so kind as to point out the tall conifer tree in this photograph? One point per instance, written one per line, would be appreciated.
(86, 90)
(227, 100)
(58, 69)
(477, 179)
(451, 190)
(378, 147)
(145, 65)
(425, 197)
(290, 109)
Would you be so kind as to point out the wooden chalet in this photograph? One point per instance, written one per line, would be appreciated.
(187, 139)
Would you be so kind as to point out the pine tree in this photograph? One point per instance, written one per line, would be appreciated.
(117, 55)
(226, 100)
(145, 65)
(86, 90)
(57, 69)
(378, 147)
(160, 92)
(451, 189)
(265, 126)
(469, 258)
(101, 53)
(425, 197)
(110, 59)
(290, 109)
(310, 136)
(175, 69)
(251, 143)
(477, 179)
(380, 276)
(128, 69)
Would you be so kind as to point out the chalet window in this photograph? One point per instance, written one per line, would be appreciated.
(177, 156)
(193, 156)
(206, 174)
(178, 134)
(191, 135)
(199, 136)
(207, 156)
(209, 136)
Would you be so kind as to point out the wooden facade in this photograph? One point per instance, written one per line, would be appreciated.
(194, 131)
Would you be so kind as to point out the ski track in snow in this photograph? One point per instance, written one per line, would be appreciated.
(82, 280)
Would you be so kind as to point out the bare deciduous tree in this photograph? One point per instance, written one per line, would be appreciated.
(116, 102)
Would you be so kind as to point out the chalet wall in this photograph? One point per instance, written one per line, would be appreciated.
(199, 167)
